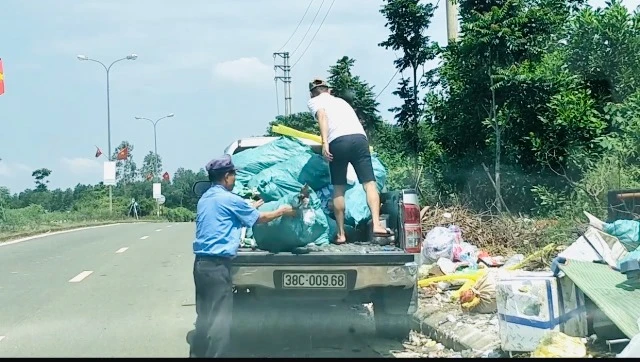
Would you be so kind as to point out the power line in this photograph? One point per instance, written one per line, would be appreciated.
(297, 26)
(389, 82)
(314, 35)
(309, 28)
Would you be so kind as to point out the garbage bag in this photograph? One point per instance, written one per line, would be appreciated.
(483, 295)
(633, 348)
(275, 187)
(557, 344)
(627, 231)
(250, 162)
(307, 168)
(438, 244)
(286, 233)
(357, 210)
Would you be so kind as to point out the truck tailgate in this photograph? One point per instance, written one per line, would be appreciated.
(346, 254)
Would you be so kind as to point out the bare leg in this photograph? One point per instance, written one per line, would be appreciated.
(373, 200)
(338, 211)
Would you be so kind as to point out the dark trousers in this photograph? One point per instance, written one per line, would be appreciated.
(214, 305)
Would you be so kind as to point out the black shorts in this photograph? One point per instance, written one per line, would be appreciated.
(350, 149)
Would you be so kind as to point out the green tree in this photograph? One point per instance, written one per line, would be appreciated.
(302, 121)
(407, 21)
(150, 166)
(40, 175)
(126, 170)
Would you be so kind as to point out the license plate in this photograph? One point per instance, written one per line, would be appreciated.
(314, 280)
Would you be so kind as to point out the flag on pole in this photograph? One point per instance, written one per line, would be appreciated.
(98, 152)
(149, 177)
(1, 78)
(165, 176)
(122, 154)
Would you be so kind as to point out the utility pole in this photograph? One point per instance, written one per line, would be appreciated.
(452, 20)
(286, 79)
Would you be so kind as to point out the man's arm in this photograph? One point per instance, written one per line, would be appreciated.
(321, 116)
(249, 216)
(267, 216)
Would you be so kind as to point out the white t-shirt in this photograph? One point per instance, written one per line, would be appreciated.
(341, 118)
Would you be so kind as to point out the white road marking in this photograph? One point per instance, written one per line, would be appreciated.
(80, 277)
(158, 229)
(1, 338)
(169, 226)
(121, 250)
(144, 237)
(6, 243)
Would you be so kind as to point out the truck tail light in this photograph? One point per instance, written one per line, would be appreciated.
(412, 229)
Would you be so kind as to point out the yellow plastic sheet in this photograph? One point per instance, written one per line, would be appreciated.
(558, 345)
(291, 132)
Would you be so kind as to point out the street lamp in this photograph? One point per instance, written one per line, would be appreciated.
(107, 69)
(155, 148)
(155, 138)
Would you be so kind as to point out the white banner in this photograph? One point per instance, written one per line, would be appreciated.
(109, 174)
(157, 190)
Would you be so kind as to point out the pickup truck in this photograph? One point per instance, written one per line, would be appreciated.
(352, 273)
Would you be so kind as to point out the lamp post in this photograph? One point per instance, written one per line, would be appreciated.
(155, 148)
(107, 70)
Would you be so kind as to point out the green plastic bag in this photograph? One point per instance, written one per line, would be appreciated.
(277, 186)
(284, 234)
(357, 210)
(627, 231)
(250, 162)
(307, 168)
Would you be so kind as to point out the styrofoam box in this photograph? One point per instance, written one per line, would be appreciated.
(530, 304)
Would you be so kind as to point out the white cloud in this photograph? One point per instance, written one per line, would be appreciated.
(244, 70)
(9, 169)
(81, 165)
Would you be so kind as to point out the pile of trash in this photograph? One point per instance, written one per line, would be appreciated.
(500, 235)
(530, 307)
(286, 171)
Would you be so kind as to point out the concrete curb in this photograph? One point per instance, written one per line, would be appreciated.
(26, 237)
(433, 323)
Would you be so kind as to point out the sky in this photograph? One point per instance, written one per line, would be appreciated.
(210, 62)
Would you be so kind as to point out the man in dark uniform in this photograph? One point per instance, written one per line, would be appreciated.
(220, 218)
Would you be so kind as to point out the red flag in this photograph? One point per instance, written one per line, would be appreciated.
(165, 176)
(1, 78)
(149, 177)
(122, 154)
(98, 152)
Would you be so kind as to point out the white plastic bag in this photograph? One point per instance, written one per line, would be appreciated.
(633, 348)
(437, 244)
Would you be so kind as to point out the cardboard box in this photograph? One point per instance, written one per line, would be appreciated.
(530, 304)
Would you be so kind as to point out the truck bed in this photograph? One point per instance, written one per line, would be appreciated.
(331, 254)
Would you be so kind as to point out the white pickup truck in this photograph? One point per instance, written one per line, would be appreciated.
(354, 273)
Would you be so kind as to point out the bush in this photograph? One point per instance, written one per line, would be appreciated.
(180, 214)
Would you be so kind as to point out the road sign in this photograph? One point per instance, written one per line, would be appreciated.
(157, 190)
(109, 174)
(161, 200)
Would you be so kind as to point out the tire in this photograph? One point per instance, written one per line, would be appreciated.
(392, 326)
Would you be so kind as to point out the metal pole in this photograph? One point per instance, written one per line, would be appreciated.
(155, 161)
(107, 70)
(109, 135)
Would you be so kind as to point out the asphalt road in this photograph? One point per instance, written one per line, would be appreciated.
(127, 291)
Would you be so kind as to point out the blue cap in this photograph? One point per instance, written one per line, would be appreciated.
(222, 164)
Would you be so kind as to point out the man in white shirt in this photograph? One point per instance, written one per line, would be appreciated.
(344, 141)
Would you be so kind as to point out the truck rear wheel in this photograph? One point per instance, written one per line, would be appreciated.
(393, 326)
(393, 312)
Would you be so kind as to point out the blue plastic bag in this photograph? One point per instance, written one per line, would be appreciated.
(276, 186)
(250, 162)
(307, 168)
(287, 233)
(627, 231)
(357, 210)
